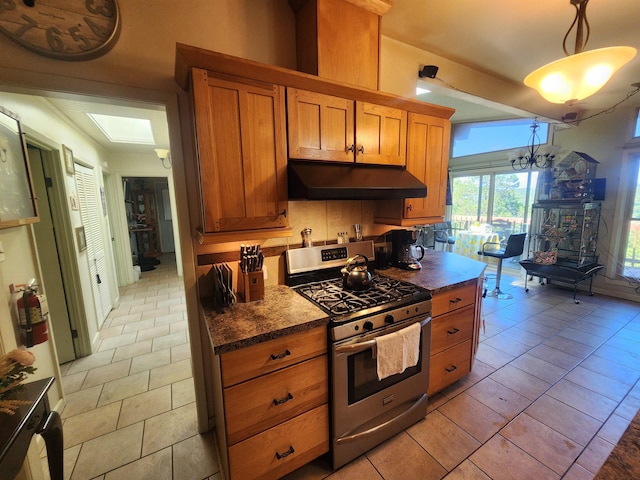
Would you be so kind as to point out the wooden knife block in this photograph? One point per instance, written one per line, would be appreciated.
(251, 286)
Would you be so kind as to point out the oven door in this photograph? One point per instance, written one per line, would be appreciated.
(367, 411)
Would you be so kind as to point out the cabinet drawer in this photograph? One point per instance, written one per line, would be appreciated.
(254, 406)
(266, 357)
(448, 366)
(452, 300)
(281, 449)
(450, 329)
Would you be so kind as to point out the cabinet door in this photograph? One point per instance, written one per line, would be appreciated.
(381, 134)
(320, 126)
(240, 129)
(348, 42)
(427, 159)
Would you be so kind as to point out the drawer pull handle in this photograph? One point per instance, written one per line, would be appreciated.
(285, 454)
(454, 331)
(452, 368)
(457, 299)
(351, 148)
(281, 355)
(283, 400)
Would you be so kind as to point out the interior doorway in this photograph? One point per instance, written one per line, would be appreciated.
(149, 219)
(47, 234)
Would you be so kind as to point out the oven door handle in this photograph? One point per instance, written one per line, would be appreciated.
(362, 346)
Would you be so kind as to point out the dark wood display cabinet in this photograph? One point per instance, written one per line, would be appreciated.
(146, 227)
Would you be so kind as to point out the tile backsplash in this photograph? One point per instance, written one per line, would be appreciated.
(327, 218)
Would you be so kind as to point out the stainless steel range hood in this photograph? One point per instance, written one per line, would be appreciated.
(351, 181)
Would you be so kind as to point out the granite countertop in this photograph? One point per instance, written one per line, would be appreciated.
(441, 271)
(282, 312)
(623, 462)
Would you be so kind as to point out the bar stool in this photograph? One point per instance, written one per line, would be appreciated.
(514, 248)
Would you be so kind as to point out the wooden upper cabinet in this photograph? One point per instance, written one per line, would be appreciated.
(427, 159)
(320, 126)
(381, 134)
(240, 130)
(325, 127)
(339, 40)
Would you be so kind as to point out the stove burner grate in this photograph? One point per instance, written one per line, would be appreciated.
(331, 296)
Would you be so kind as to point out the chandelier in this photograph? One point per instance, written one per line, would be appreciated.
(582, 74)
(534, 154)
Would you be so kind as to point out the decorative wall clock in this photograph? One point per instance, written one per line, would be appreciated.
(62, 29)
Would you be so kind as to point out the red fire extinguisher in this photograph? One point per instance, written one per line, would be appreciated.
(33, 314)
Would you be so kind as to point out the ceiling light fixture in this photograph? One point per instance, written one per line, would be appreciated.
(534, 154)
(163, 154)
(582, 74)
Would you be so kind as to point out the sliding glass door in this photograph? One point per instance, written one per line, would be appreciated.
(499, 202)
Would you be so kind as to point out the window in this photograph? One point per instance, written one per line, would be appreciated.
(500, 199)
(483, 137)
(631, 262)
(636, 132)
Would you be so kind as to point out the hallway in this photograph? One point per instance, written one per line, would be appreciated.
(130, 409)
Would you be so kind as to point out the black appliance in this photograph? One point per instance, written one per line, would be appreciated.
(404, 251)
(365, 410)
(351, 181)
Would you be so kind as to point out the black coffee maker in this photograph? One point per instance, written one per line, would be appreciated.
(404, 251)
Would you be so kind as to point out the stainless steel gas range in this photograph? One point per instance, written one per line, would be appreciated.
(365, 410)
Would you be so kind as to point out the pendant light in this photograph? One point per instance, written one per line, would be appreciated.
(535, 155)
(582, 74)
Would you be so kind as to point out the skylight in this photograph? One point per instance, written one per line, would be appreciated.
(124, 129)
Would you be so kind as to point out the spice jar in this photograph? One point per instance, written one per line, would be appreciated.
(306, 237)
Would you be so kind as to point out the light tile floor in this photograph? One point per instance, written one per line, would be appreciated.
(130, 411)
(553, 388)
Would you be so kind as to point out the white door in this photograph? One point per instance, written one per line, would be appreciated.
(54, 287)
(90, 213)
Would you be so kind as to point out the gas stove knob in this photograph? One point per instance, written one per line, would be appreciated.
(368, 325)
(389, 319)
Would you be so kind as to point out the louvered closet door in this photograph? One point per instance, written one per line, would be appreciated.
(91, 214)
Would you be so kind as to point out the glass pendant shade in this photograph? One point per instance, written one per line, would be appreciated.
(161, 153)
(578, 76)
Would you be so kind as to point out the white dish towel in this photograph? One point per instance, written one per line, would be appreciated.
(397, 351)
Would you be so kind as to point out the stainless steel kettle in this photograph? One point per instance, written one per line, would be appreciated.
(355, 275)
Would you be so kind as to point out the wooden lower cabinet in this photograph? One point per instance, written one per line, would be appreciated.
(451, 329)
(281, 449)
(258, 404)
(449, 366)
(271, 405)
(454, 334)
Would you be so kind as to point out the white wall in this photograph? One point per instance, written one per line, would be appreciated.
(44, 124)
